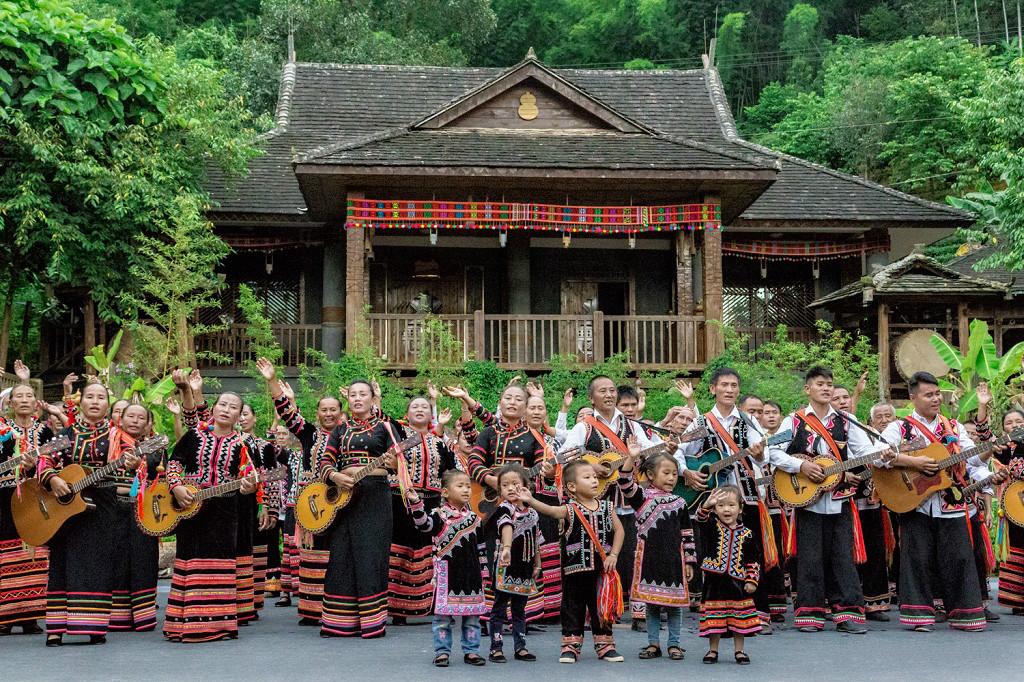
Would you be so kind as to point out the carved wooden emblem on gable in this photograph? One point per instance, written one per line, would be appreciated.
(528, 106)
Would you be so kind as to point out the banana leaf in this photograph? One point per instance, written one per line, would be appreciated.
(983, 351)
(1009, 364)
(115, 344)
(950, 355)
(967, 404)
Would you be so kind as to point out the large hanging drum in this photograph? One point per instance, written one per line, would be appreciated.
(914, 352)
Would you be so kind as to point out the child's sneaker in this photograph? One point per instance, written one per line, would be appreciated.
(612, 656)
(567, 657)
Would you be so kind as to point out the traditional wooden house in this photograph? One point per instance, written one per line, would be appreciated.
(537, 211)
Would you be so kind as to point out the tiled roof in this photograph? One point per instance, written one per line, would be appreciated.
(916, 274)
(349, 108)
(965, 265)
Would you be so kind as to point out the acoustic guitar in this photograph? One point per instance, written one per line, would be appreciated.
(796, 490)
(1012, 503)
(483, 499)
(161, 513)
(712, 464)
(613, 459)
(39, 514)
(319, 503)
(903, 489)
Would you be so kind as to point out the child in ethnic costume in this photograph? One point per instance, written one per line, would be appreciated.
(519, 562)
(459, 558)
(731, 572)
(592, 536)
(664, 551)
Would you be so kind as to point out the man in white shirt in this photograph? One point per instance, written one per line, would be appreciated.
(725, 417)
(825, 529)
(936, 559)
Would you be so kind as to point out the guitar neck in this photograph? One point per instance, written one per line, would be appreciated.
(849, 464)
(781, 437)
(218, 490)
(97, 475)
(965, 455)
(375, 463)
(977, 485)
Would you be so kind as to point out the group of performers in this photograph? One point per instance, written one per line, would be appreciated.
(503, 518)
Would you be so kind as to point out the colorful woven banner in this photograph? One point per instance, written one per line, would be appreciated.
(803, 250)
(486, 215)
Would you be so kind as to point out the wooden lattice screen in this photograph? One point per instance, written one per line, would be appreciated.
(769, 306)
(282, 298)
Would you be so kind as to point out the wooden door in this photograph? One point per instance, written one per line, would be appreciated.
(575, 336)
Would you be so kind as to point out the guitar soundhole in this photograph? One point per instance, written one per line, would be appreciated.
(157, 514)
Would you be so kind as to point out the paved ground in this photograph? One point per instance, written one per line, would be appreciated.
(275, 648)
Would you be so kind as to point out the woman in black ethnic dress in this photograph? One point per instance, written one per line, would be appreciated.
(23, 569)
(79, 594)
(410, 567)
(203, 602)
(356, 582)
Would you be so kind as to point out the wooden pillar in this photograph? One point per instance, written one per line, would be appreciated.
(883, 351)
(684, 273)
(963, 326)
(355, 284)
(713, 287)
(89, 321)
(332, 310)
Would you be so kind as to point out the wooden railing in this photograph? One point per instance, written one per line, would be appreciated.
(234, 344)
(529, 341)
(758, 336)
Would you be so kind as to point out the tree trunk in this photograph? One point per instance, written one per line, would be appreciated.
(5, 325)
(26, 323)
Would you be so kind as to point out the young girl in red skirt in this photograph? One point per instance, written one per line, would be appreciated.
(730, 553)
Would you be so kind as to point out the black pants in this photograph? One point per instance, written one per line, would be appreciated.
(772, 581)
(579, 597)
(874, 573)
(826, 569)
(498, 619)
(937, 561)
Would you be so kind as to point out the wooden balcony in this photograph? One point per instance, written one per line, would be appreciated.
(528, 342)
(758, 336)
(234, 344)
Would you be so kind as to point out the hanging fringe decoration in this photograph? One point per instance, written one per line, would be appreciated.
(405, 483)
(889, 536)
(790, 544)
(1002, 548)
(784, 523)
(990, 555)
(860, 552)
(609, 597)
(771, 552)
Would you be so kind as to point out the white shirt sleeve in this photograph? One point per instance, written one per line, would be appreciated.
(693, 448)
(576, 438)
(777, 455)
(562, 421)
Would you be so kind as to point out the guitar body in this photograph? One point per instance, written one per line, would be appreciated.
(38, 514)
(318, 504)
(478, 497)
(1012, 503)
(903, 490)
(160, 511)
(796, 490)
(702, 464)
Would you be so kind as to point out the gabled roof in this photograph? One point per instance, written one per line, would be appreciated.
(965, 265)
(915, 274)
(325, 109)
(526, 70)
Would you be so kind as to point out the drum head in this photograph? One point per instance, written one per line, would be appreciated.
(914, 352)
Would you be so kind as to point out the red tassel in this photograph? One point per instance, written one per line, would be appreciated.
(785, 533)
(771, 553)
(990, 555)
(790, 544)
(860, 553)
(609, 597)
(889, 535)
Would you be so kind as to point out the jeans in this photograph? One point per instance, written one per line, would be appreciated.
(498, 619)
(442, 628)
(674, 616)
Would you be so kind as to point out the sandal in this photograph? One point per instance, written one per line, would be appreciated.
(5, 630)
(676, 653)
(650, 651)
(441, 660)
(285, 600)
(473, 659)
(742, 658)
(497, 657)
(54, 640)
(710, 657)
(524, 655)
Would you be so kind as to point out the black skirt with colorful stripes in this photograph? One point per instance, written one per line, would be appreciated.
(138, 564)
(23, 572)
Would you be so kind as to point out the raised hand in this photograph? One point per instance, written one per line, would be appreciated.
(173, 406)
(567, 399)
(195, 382)
(432, 392)
(22, 371)
(457, 392)
(287, 389)
(641, 401)
(444, 417)
(266, 369)
(179, 379)
(69, 383)
(534, 389)
(984, 394)
(685, 388)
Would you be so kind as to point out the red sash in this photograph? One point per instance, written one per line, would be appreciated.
(612, 437)
(609, 585)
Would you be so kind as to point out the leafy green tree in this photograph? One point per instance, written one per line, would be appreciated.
(801, 38)
(730, 45)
